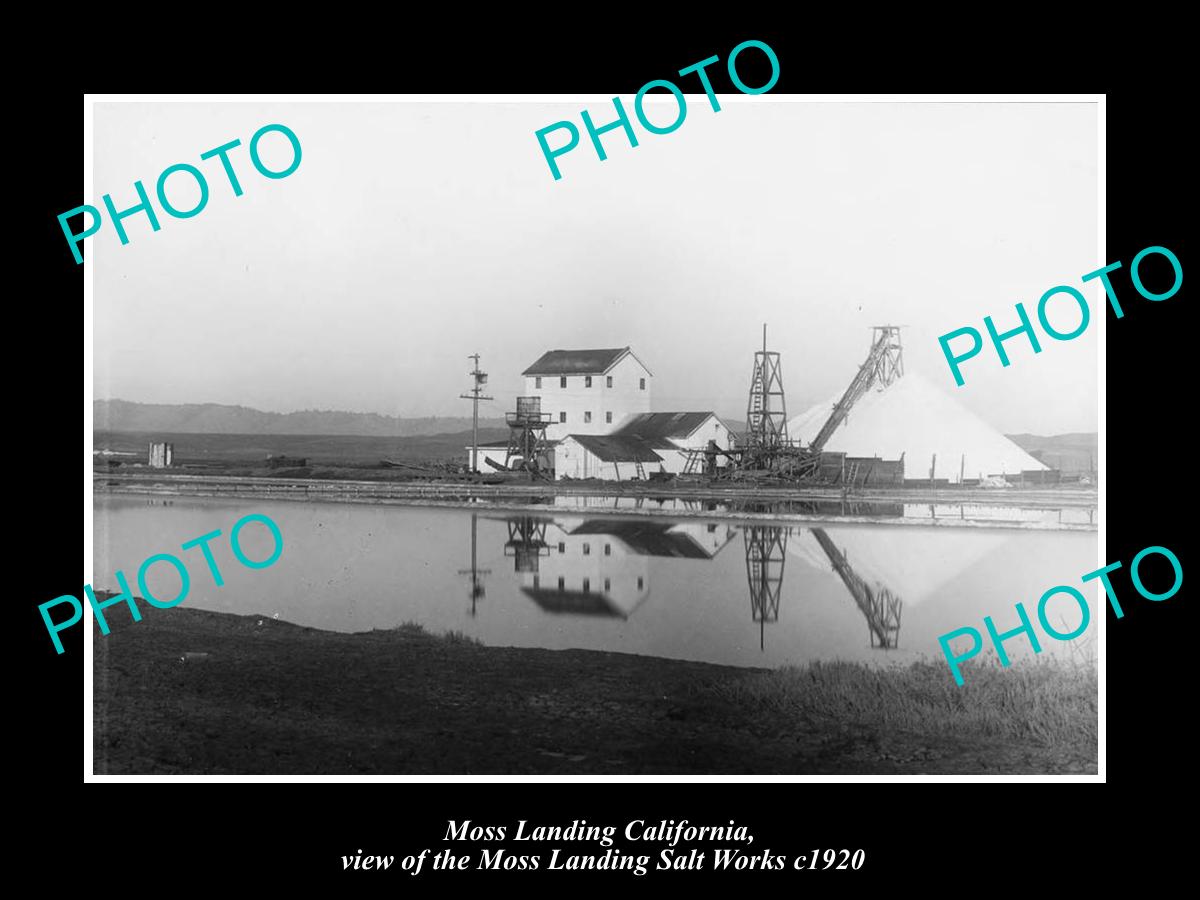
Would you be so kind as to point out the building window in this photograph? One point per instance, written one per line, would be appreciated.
(562, 547)
(608, 381)
(641, 582)
(537, 582)
(608, 417)
(587, 417)
(537, 382)
(587, 380)
(608, 549)
(587, 585)
(587, 549)
(562, 583)
(562, 416)
(607, 584)
(641, 384)
(562, 381)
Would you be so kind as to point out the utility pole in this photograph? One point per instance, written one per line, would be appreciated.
(476, 395)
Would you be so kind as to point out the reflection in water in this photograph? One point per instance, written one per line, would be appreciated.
(597, 567)
(586, 578)
(880, 607)
(766, 552)
(766, 547)
(478, 591)
(526, 542)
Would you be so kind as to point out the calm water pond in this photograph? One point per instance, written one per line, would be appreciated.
(717, 591)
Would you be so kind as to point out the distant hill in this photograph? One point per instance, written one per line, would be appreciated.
(216, 418)
(1074, 452)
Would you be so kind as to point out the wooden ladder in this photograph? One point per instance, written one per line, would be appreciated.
(641, 470)
(851, 474)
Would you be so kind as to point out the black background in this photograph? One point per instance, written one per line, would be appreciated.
(957, 836)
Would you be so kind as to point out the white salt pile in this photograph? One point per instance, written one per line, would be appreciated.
(916, 418)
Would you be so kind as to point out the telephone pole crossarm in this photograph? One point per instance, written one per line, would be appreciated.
(476, 394)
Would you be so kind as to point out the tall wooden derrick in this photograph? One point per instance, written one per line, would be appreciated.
(766, 443)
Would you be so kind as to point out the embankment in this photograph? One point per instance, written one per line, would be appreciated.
(189, 691)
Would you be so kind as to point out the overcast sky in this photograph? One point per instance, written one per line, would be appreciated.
(414, 234)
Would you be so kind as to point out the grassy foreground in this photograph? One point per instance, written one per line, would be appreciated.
(189, 691)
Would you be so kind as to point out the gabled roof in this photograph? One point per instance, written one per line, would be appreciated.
(573, 602)
(646, 538)
(579, 362)
(657, 427)
(613, 448)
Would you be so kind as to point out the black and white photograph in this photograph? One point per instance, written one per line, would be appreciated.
(529, 436)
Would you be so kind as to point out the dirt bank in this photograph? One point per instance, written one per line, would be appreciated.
(274, 698)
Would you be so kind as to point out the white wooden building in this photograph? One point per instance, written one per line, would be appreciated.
(589, 391)
(646, 444)
(582, 392)
(600, 424)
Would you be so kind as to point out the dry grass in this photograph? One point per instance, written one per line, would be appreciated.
(459, 637)
(450, 637)
(1045, 701)
(411, 627)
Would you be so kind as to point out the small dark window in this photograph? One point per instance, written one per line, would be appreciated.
(641, 384)
(562, 547)
(587, 380)
(608, 549)
(562, 416)
(641, 582)
(608, 418)
(607, 584)
(587, 417)
(562, 583)
(537, 382)
(587, 585)
(537, 582)
(608, 381)
(587, 549)
(562, 382)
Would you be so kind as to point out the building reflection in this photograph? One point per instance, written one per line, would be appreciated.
(600, 567)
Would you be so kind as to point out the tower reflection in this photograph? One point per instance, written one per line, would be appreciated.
(766, 546)
(600, 567)
(879, 606)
